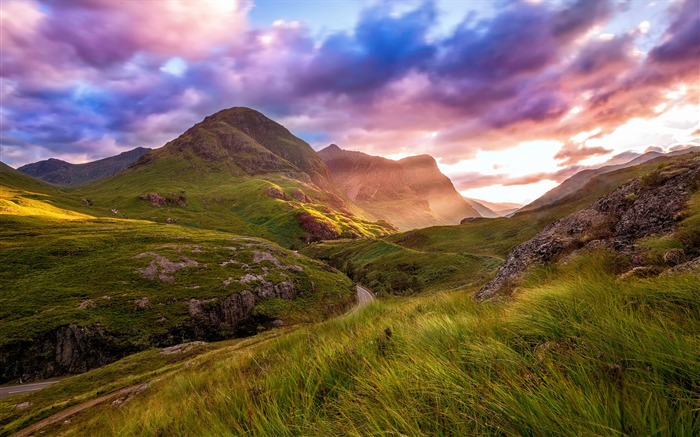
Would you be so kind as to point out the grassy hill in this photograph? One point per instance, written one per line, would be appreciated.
(576, 352)
(579, 348)
(81, 290)
(464, 256)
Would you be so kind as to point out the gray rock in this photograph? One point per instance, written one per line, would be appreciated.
(632, 211)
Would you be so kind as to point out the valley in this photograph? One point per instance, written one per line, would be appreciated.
(234, 271)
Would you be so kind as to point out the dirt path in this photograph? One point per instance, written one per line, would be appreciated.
(63, 415)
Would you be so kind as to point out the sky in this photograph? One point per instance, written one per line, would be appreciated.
(511, 97)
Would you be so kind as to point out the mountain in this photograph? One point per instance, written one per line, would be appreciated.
(84, 286)
(578, 180)
(236, 170)
(409, 193)
(645, 207)
(482, 209)
(60, 172)
(598, 322)
(244, 141)
(493, 209)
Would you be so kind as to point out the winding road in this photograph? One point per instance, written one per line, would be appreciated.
(364, 296)
(17, 389)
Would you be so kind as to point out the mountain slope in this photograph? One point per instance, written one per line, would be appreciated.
(237, 170)
(80, 291)
(245, 141)
(468, 255)
(410, 193)
(490, 209)
(580, 179)
(60, 172)
(643, 207)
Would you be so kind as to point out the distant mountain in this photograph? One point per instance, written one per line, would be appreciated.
(64, 173)
(240, 171)
(580, 179)
(482, 209)
(409, 193)
(493, 209)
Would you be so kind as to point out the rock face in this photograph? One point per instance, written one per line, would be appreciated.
(643, 207)
(317, 228)
(218, 318)
(409, 193)
(60, 172)
(67, 349)
(75, 349)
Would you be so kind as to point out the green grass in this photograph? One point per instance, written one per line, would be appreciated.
(50, 268)
(575, 353)
(60, 265)
(143, 367)
(392, 269)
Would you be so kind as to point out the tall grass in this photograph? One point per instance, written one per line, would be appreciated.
(582, 354)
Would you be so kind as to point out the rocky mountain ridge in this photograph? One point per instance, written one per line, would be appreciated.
(58, 172)
(410, 193)
(647, 206)
(579, 179)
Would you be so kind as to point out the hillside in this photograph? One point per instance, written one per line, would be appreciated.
(237, 171)
(578, 350)
(410, 193)
(580, 179)
(482, 209)
(81, 291)
(60, 172)
(585, 345)
(645, 207)
(466, 256)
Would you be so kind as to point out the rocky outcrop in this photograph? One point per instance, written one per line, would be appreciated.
(643, 207)
(67, 349)
(169, 199)
(217, 318)
(163, 268)
(276, 193)
(75, 349)
(317, 228)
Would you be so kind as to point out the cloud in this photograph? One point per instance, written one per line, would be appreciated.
(382, 48)
(572, 154)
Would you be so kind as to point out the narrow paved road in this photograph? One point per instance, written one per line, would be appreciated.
(11, 390)
(364, 296)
